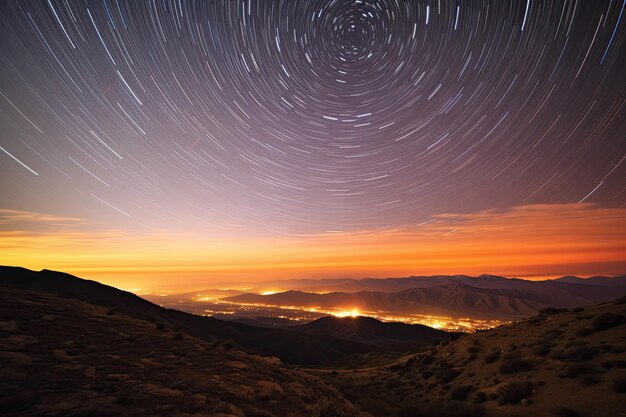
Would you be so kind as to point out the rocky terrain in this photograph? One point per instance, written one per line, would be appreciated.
(64, 357)
(560, 363)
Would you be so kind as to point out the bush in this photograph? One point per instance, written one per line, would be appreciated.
(606, 321)
(462, 410)
(585, 331)
(577, 354)
(576, 369)
(542, 348)
(492, 357)
(480, 397)
(453, 409)
(564, 412)
(513, 366)
(619, 385)
(548, 311)
(460, 392)
(428, 373)
(327, 407)
(516, 392)
(617, 363)
(448, 375)
(427, 359)
(590, 379)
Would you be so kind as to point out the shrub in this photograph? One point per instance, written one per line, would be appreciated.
(492, 357)
(542, 349)
(616, 363)
(564, 412)
(460, 393)
(473, 349)
(606, 321)
(578, 309)
(619, 385)
(462, 410)
(590, 379)
(576, 354)
(427, 359)
(480, 397)
(576, 369)
(327, 407)
(548, 311)
(456, 409)
(585, 331)
(513, 366)
(428, 373)
(516, 392)
(448, 375)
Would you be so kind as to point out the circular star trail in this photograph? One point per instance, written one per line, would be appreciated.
(309, 116)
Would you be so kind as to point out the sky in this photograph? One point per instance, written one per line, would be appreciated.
(169, 144)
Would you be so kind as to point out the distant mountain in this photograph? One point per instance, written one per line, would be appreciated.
(289, 346)
(499, 298)
(350, 285)
(598, 280)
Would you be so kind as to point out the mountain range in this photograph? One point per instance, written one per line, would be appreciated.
(484, 297)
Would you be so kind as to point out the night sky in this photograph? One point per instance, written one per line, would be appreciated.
(265, 118)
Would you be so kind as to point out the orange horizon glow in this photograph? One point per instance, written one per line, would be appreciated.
(532, 242)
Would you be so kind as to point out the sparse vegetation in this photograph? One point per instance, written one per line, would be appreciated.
(619, 385)
(447, 375)
(542, 348)
(548, 311)
(606, 321)
(480, 397)
(328, 407)
(492, 357)
(516, 392)
(564, 412)
(515, 365)
(576, 354)
(460, 393)
(576, 369)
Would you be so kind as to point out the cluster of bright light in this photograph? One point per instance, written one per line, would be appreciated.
(347, 313)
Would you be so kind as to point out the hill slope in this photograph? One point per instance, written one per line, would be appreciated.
(369, 329)
(291, 347)
(563, 364)
(66, 357)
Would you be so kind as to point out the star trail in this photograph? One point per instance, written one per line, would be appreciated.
(309, 117)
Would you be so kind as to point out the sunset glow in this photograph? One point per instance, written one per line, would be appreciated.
(530, 241)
